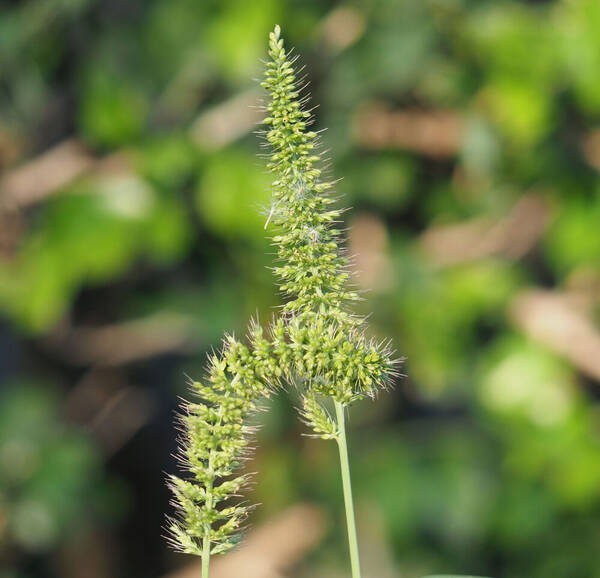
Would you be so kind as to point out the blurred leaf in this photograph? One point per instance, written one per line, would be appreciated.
(578, 23)
(113, 111)
(232, 194)
(87, 236)
(47, 469)
(573, 239)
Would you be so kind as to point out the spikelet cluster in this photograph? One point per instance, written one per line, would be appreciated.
(214, 441)
(329, 350)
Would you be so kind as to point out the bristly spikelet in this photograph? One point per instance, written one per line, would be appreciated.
(315, 415)
(328, 347)
(214, 442)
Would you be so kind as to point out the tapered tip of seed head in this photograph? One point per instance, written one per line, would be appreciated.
(277, 31)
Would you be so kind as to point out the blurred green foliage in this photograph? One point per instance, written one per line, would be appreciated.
(486, 458)
(51, 478)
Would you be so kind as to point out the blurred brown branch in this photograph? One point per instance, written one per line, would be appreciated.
(37, 178)
(433, 133)
(559, 322)
(368, 241)
(270, 549)
(121, 343)
(44, 175)
(228, 121)
(513, 236)
(109, 408)
(591, 148)
(342, 28)
(57, 167)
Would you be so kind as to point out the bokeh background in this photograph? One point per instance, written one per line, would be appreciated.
(467, 133)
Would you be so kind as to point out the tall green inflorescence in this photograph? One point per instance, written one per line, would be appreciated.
(323, 342)
(316, 343)
(327, 339)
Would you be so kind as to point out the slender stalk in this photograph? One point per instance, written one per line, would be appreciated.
(345, 466)
(205, 557)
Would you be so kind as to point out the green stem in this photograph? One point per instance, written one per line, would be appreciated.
(345, 466)
(205, 557)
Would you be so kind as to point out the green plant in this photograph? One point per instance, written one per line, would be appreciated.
(316, 343)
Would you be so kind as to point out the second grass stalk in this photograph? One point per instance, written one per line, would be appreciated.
(347, 485)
